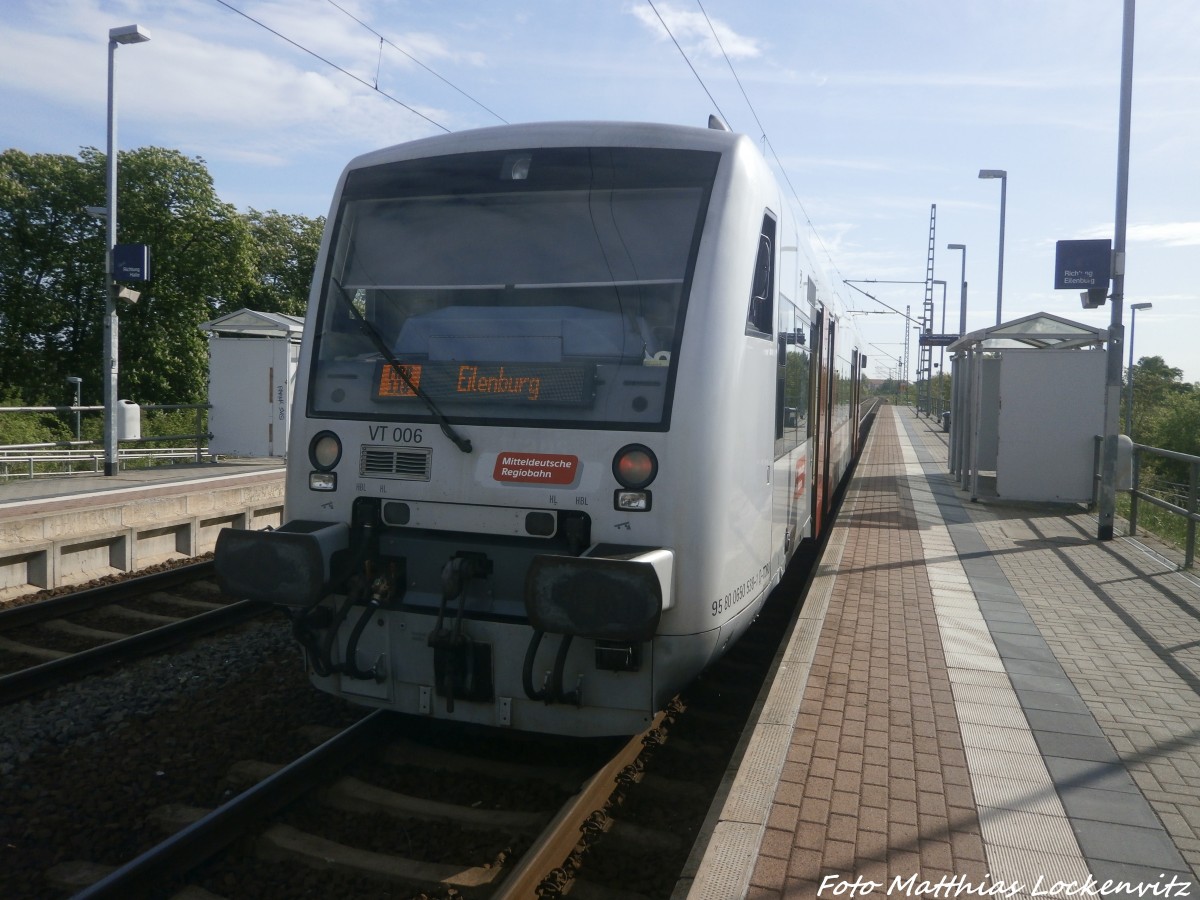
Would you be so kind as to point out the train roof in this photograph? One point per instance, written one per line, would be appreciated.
(556, 134)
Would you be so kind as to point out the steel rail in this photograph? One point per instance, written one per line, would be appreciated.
(78, 601)
(23, 683)
(565, 830)
(206, 837)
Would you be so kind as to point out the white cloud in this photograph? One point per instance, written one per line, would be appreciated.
(1170, 234)
(1167, 234)
(694, 33)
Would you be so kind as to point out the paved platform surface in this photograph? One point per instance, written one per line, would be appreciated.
(58, 531)
(977, 699)
(19, 494)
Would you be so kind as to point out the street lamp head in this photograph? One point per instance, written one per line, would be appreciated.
(73, 379)
(956, 246)
(1142, 306)
(129, 34)
(992, 173)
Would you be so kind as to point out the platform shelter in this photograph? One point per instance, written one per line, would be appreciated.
(1027, 404)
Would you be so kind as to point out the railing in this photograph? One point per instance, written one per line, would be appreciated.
(1184, 493)
(1178, 499)
(87, 457)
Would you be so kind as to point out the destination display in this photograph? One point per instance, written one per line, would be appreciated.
(527, 384)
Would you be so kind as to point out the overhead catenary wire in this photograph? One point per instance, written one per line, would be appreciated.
(384, 40)
(762, 129)
(733, 71)
(333, 65)
(683, 53)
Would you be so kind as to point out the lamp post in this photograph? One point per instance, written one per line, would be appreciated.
(1133, 311)
(1003, 176)
(1107, 505)
(962, 291)
(126, 34)
(942, 355)
(78, 382)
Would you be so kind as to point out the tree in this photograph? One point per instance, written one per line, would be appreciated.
(287, 248)
(51, 275)
(201, 256)
(1154, 385)
(1175, 424)
(206, 259)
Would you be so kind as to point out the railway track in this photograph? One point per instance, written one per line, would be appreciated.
(340, 819)
(534, 842)
(455, 817)
(55, 641)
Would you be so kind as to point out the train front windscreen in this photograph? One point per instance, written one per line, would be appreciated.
(515, 287)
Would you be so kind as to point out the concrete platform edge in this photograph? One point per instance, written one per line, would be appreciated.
(726, 849)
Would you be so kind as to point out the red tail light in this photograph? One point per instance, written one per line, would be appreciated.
(635, 466)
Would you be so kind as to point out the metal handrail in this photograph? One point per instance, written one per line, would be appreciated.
(1190, 511)
(24, 464)
(72, 453)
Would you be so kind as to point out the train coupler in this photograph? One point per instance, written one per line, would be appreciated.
(462, 667)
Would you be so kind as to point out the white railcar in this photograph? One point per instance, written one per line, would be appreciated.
(570, 396)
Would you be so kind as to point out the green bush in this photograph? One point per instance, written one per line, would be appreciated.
(31, 428)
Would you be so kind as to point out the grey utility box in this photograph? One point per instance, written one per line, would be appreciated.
(252, 358)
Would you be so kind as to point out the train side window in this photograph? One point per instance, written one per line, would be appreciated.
(792, 378)
(761, 315)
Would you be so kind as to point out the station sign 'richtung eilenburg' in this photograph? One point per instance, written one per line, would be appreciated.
(1082, 265)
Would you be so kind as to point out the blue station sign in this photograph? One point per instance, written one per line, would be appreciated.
(1083, 265)
(131, 262)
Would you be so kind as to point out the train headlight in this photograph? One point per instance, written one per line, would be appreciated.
(635, 466)
(322, 481)
(325, 451)
(632, 501)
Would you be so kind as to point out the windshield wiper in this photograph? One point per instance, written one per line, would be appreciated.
(368, 329)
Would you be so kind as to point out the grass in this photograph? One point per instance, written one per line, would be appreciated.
(1163, 524)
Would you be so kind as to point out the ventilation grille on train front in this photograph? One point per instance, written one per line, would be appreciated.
(395, 462)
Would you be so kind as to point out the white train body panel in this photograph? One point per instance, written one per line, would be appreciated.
(551, 545)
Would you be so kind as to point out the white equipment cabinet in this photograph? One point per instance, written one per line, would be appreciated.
(252, 359)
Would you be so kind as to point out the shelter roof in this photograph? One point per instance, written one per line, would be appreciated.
(1038, 331)
(249, 323)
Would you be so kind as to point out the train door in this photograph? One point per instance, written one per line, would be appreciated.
(855, 383)
(820, 415)
(829, 365)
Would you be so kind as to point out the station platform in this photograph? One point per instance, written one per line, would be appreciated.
(58, 531)
(976, 700)
(17, 494)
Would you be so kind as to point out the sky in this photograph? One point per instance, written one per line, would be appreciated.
(880, 113)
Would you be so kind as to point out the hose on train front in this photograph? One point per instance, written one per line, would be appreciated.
(306, 622)
(527, 669)
(455, 575)
(553, 691)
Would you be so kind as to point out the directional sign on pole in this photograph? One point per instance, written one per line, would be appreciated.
(131, 262)
(936, 340)
(1082, 265)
